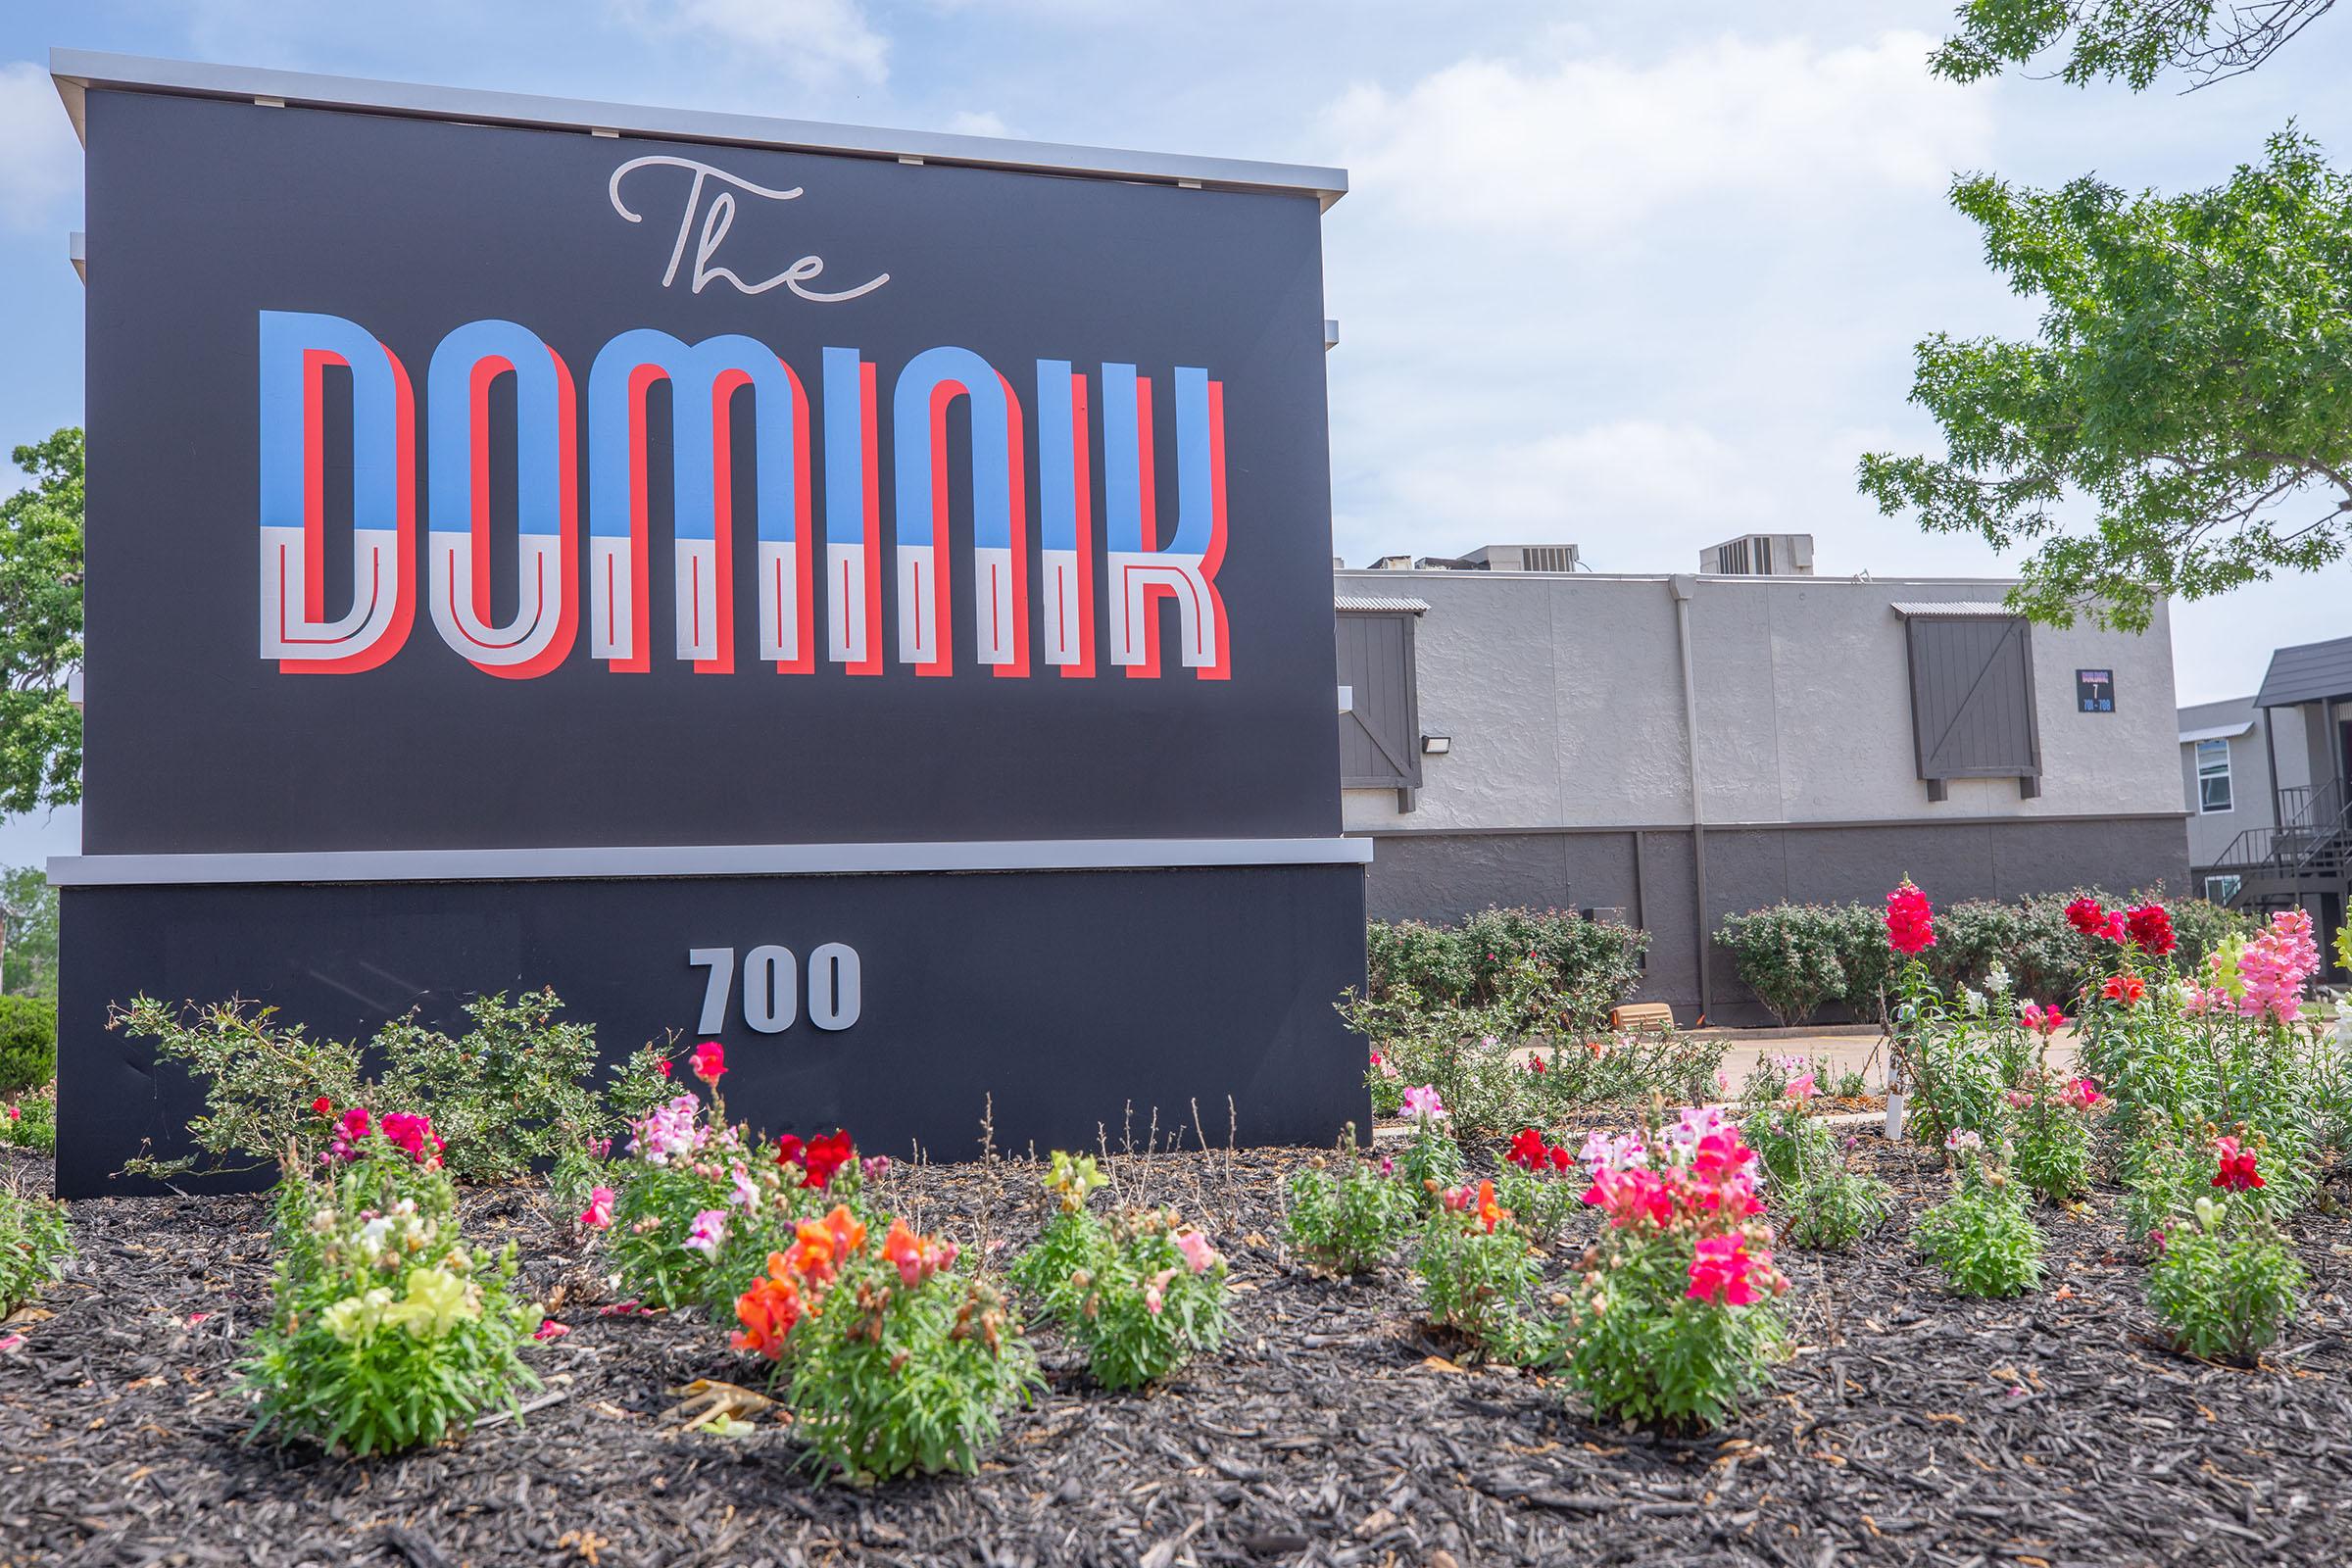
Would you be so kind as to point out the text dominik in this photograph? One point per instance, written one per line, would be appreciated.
(552, 577)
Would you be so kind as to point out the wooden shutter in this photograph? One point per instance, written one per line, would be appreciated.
(1971, 698)
(1380, 736)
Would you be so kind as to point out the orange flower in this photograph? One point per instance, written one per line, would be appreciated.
(768, 1310)
(2126, 988)
(916, 1257)
(1489, 1211)
(820, 1245)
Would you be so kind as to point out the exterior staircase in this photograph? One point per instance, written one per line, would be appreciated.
(2309, 853)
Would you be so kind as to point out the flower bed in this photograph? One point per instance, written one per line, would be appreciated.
(1907, 1424)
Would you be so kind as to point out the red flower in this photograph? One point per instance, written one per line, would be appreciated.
(663, 1066)
(2126, 988)
(323, 1106)
(822, 1156)
(2151, 928)
(709, 1062)
(1534, 1064)
(2087, 917)
(1910, 922)
(1527, 1149)
(1559, 1156)
(2238, 1172)
(788, 1149)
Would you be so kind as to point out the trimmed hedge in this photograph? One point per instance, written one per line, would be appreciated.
(1797, 957)
(27, 1043)
(1594, 964)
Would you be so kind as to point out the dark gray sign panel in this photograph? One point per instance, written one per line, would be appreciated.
(461, 487)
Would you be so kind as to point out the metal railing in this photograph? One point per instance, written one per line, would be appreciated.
(2315, 830)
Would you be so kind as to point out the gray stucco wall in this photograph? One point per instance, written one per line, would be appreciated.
(1563, 696)
(2209, 833)
(1568, 781)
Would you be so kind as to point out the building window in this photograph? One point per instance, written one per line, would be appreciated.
(2213, 776)
(2219, 889)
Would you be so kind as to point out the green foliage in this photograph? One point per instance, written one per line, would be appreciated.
(1542, 1201)
(1477, 1275)
(1640, 1350)
(1469, 1044)
(40, 628)
(1141, 1309)
(27, 1043)
(1817, 1203)
(386, 1331)
(1585, 968)
(509, 1094)
(2053, 1144)
(29, 913)
(1349, 1223)
(1787, 954)
(1430, 1162)
(35, 1244)
(1139, 1294)
(260, 1081)
(2133, 41)
(29, 1122)
(2223, 1281)
(2192, 379)
(1983, 1238)
(897, 1379)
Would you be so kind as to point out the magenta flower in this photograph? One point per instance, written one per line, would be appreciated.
(1423, 1105)
(598, 1215)
(709, 1229)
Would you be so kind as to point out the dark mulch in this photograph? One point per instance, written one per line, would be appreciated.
(1908, 1426)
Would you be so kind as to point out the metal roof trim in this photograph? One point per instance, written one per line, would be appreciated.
(2307, 672)
(1375, 602)
(2219, 732)
(77, 71)
(1968, 608)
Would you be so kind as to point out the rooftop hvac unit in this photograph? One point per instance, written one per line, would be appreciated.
(1760, 555)
(1509, 558)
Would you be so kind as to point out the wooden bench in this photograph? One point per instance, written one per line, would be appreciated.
(1635, 1017)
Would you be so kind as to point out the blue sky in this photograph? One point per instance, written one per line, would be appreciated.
(1641, 276)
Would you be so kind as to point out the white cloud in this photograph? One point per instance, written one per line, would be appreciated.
(1598, 144)
(817, 40)
(40, 163)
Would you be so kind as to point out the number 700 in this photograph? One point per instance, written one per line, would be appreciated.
(771, 987)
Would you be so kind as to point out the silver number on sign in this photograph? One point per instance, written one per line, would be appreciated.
(771, 985)
(721, 963)
(836, 989)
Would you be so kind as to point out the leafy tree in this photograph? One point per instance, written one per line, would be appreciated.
(40, 628)
(2192, 380)
(28, 928)
(2129, 41)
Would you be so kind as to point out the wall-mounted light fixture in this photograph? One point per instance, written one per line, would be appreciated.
(1435, 745)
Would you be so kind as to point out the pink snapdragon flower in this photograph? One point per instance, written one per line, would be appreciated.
(667, 1131)
(1199, 1254)
(1800, 1089)
(2274, 965)
(598, 1215)
(710, 1230)
(1719, 1270)
(1423, 1105)
(2083, 1094)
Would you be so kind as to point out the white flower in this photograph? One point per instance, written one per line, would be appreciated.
(1996, 979)
(1973, 1001)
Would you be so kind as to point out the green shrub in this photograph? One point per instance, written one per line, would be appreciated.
(509, 1093)
(1981, 1237)
(1817, 1203)
(1788, 954)
(386, 1331)
(1586, 967)
(1349, 1223)
(1476, 1272)
(908, 1367)
(1139, 1293)
(27, 1043)
(30, 1120)
(2223, 1281)
(34, 1246)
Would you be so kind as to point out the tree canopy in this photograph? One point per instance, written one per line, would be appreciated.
(2192, 380)
(40, 628)
(2133, 41)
